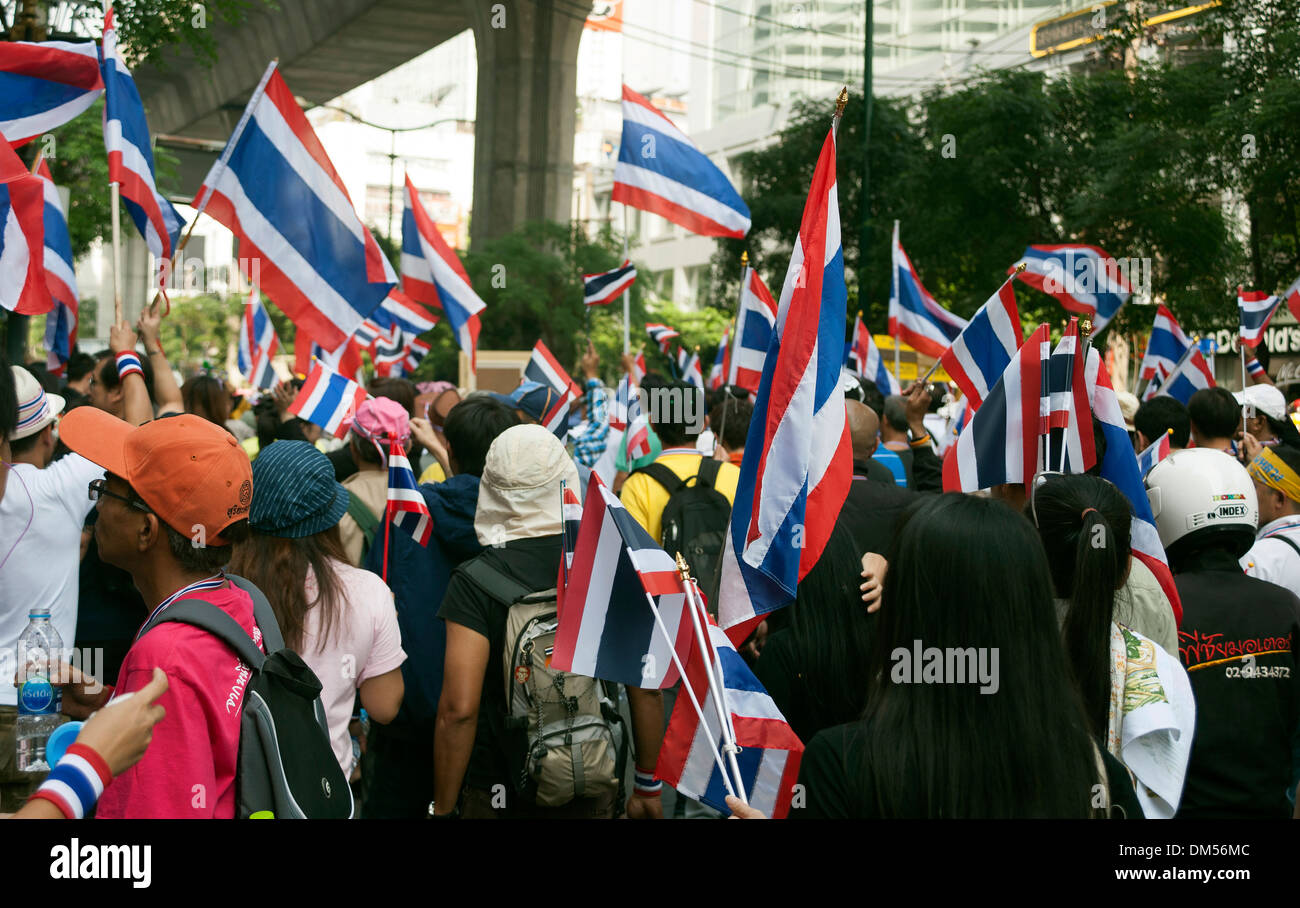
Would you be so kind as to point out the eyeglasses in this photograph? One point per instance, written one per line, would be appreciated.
(99, 487)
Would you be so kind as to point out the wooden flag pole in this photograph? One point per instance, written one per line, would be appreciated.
(117, 253)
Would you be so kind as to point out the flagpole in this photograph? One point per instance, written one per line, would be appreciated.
(627, 294)
(717, 695)
(388, 522)
(115, 189)
(1245, 406)
(893, 270)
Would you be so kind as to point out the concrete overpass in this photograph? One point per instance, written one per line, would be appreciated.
(527, 74)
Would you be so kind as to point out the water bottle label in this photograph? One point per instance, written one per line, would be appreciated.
(37, 697)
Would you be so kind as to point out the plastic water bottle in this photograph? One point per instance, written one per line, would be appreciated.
(39, 701)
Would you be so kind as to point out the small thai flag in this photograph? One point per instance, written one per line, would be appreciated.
(415, 355)
(328, 399)
(603, 288)
(865, 360)
(1084, 279)
(257, 343)
(914, 316)
(718, 371)
(755, 318)
(571, 509)
(1157, 451)
(1256, 309)
(1165, 347)
(1191, 374)
(545, 369)
(661, 335)
(637, 436)
(406, 505)
(986, 346)
(638, 368)
(618, 411)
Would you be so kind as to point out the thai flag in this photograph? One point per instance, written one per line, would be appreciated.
(866, 361)
(545, 369)
(257, 343)
(755, 318)
(661, 335)
(389, 354)
(1256, 370)
(637, 436)
(986, 346)
(415, 354)
(688, 368)
(621, 405)
(1189, 375)
(1256, 309)
(1292, 296)
(328, 399)
(603, 288)
(607, 628)
(433, 274)
(914, 316)
(1083, 278)
(1119, 465)
(638, 367)
(406, 506)
(556, 419)
(23, 286)
(60, 277)
(1000, 443)
(1165, 347)
(1070, 444)
(1157, 451)
(660, 170)
(571, 513)
(788, 495)
(770, 751)
(43, 86)
(130, 157)
(717, 372)
(400, 310)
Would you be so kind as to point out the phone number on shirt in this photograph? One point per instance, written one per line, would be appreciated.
(1258, 671)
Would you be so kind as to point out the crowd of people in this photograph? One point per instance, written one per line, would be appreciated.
(1089, 692)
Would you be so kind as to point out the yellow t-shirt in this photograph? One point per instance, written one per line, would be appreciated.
(433, 474)
(646, 499)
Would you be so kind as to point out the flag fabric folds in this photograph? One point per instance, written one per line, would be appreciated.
(914, 316)
(60, 277)
(23, 285)
(406, 506)
(545, 369)
(770, 751)
(637, 435)
(603, 288)
(1256, 310)
(433, 274)
(1070, 448)
(620, 406)
(1189, 375)
(571, 514)
(1165, 347)
(130, 156)
(638, 367)
(866, 361)
(1084, 279)
(328, 399)
(1292, 296)
(661, 335)
(400, 310)
(660, 170)
(44, 85)
(985, 347)
(607, 629)
(257, 343)
(717, 372)
(755, 317)
(798, 462)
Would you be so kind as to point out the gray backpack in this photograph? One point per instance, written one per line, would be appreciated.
(563, 734)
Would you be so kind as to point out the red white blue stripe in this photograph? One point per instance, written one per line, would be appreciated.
(400, 310)
(23, 287)
(770, 751)
(755, 319)
(638, 367)
(621, 404)
(637, 436)
(688, 367)
(1292, 297)
(1155, 452)
(257, 343)
(1189, 375)
(60, 277)
(130, 156)
(986, 346)
(276, 189)
(717, 372)
(44, 85)
(545, 369)
(328, 399)
(914, 316)
(571, 513)
(433, 274)
(865, 360)
(603, 288)
(788, 496)
(406, 506)
(1084, 279)
(1256, 309)
(660, 170)
(415, 354)
(661, 335)
(1070, 448)
(607, 629)
(1165, 347)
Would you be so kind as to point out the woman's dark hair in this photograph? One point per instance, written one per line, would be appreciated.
(967, 573)
(664, 399)
(733, 416)
(267, 420)
(472, 426)
(206, 396)
(399, 389)
(1084, 523)
(278, 567)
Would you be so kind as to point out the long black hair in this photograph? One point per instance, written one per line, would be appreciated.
(1084, 523)
(969, 572)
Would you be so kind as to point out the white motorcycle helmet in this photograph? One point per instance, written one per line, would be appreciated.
(1198, 492)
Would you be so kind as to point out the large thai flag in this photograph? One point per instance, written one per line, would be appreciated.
(755, 317)
(1119, 465)
(866, 361)
(1165, 347)
(433, 274)
(1189, 375)
(607, 628)
(985, 347)
(328, 399)
(914, 316)
(276, 189)
(1070, 444)
(661, 335)
(23, 286)
(43, 86)
(130, 157)
(1256, 309)
(770, 751)
(662, 171)
(257, 343)
(1000, 443)
(406, 506)
(545, 369)
(1083, 278)
(790, 494)
(603, 288)
(718, 371)
(60, 277)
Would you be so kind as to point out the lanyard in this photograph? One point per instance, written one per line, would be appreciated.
(209, 583)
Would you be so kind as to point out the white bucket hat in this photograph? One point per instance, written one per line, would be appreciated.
(36, 409)
(519, 493)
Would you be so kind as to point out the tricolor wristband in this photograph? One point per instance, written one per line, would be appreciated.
(76, 783)
(128, 362)
(645, 785)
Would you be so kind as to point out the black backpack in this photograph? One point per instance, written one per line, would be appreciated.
(695, 522)
(287, 767)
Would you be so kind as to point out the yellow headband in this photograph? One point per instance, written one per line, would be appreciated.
(1270, 470)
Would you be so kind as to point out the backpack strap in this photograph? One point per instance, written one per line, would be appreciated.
(707, 477)
(1280, 538)
(201, 614)
(664, 476)
(263, 614)
(365, 518)
(500, 586)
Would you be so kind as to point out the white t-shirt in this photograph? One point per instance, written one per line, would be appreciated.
(1272, 559)
(41, 561)
(365, 643)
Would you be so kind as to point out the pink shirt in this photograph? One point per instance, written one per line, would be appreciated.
(365, 643)
(188, 772)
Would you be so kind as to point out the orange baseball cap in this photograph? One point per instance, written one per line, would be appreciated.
(190, 472)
